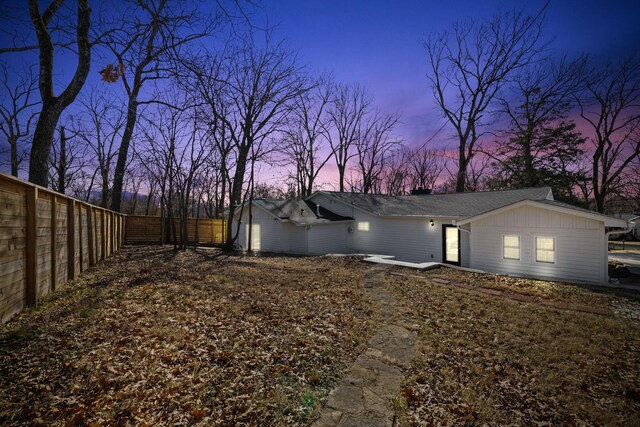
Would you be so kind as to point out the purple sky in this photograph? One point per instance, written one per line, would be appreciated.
(378, 43)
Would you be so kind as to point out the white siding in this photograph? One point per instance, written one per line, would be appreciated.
(269, 235)
(328, 238)
(408, 239)
(580, 248)
(297, 238)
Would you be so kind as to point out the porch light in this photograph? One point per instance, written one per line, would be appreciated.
(431, 223)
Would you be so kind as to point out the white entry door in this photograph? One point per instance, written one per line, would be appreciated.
(451, 244)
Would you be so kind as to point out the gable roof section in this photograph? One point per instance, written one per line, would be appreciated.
(455, 205)
(302, 212)
(552, 205)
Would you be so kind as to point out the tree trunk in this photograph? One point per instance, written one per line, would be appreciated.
(13, 142)
(52, 106)
(123, 152)
(461, 178)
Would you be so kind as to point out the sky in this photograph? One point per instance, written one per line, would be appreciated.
(378, 44)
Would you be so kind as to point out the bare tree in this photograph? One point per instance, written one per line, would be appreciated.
(153, 31)
(52, 105)
(469, 64)
(249, 98)
(610, 108)
(99, 125)
(305, 137)
(425, 168)
(66, 168)
(349, 107)
(17, 113)
(541, 145)
(375, 144)
(394, 179)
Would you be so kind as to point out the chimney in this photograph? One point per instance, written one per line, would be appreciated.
(318, 211)
(420, 191)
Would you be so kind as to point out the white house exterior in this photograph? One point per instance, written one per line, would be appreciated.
(517, 232)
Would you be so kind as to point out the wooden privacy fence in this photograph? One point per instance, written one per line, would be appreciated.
(148, 229)
(46, 239)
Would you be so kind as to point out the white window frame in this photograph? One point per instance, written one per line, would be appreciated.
(511, 247)
(554, 251)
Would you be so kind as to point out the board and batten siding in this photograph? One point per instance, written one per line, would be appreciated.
(580, 246)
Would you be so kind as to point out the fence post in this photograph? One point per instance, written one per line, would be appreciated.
(32, 245)
(90, 231)
(80, 254)
(103, 234)
(71, 240)
(54, 238)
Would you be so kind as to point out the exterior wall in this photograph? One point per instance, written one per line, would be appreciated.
(465, 249)
(328, 238)
(580, 247)
(408, 239)
(297, 237)
(268, 235)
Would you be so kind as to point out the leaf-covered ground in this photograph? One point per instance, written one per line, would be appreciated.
(154, 337)
(486, 360)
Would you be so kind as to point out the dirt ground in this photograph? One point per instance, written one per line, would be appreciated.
(153, 337)
(489, 360)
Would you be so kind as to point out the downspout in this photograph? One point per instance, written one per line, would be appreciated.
(606, 252)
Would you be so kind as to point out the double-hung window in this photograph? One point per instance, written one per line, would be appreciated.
(510, 246)
(545, 249)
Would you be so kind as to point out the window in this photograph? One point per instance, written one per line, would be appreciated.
(511, 247)
(363, 225)
(545, 249)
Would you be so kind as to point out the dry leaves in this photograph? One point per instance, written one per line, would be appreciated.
(156, 337)
(490, 361)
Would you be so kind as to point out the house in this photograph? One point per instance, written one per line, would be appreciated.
(521, 232)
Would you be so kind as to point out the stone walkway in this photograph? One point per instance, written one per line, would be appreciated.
(364, 398)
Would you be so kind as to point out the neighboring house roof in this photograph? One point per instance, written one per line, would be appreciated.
(455, 205)
(551, 205)
(302, 212)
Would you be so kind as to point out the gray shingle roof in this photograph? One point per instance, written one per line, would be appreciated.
(457, 205)
(299, 211)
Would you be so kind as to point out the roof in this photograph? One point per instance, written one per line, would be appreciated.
(299, 211)
(455, 205)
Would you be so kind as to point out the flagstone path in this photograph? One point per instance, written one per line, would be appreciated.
(364, 398)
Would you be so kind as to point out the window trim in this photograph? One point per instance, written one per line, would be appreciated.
(511, 247)
(554, 251)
